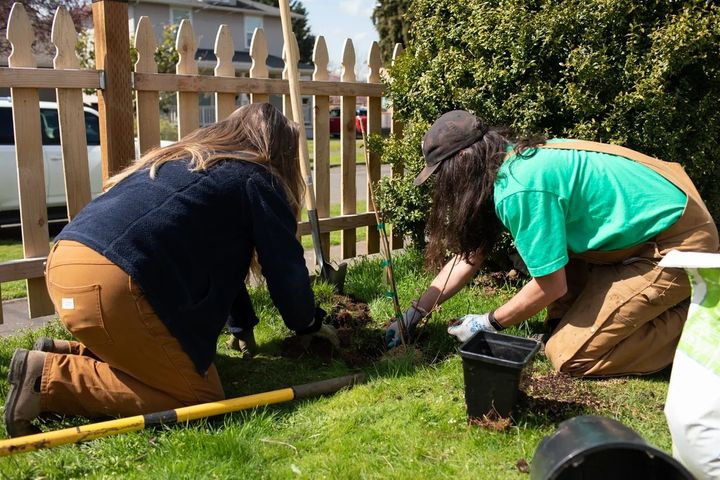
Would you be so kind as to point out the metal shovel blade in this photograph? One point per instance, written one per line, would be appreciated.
(334, 276)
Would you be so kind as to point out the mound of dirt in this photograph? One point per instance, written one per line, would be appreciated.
(360, 345)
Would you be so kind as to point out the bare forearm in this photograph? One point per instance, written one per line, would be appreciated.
(453, 277)
(537, 294)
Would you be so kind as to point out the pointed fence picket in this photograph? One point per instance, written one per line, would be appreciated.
(24, 80)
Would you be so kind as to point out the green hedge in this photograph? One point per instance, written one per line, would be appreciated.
(644, 74)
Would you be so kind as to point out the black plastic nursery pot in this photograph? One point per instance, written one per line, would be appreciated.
(493, 364)
(593, 448)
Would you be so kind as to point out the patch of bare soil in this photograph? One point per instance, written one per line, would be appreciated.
(522, 466)
(557, 396)
(554, 396)
(413, 351)
(359, 344)
(492, 281)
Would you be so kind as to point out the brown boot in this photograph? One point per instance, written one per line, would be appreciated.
(47, 344)
(23, 400)
(245, 344)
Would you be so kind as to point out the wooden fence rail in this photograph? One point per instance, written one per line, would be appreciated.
(24, 79)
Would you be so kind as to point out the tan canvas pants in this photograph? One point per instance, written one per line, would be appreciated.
(622, 313)
(142, 369)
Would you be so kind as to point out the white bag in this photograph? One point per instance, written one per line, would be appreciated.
(692, 408)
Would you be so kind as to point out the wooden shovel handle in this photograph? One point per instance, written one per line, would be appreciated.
(292, 54)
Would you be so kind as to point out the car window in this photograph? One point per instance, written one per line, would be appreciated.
(50, 126)
(92, 129)
(6, 127)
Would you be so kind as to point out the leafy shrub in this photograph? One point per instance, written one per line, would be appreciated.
(644, 74)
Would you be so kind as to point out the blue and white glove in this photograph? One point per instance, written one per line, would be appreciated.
(469, 325)
(411, 317)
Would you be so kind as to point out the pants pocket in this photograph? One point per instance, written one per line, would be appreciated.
(80, 311)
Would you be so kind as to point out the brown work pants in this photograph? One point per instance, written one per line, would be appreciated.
(135, 366)
(623, 314)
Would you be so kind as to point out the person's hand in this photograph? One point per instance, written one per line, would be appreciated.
(469, 325)
(411, 317)
(328, 332)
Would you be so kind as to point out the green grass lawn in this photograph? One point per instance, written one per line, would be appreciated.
(407, 421)
(11, 250)
(335, 151)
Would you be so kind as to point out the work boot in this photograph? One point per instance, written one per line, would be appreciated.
(243, 343)
(47, 344)
(22, 404)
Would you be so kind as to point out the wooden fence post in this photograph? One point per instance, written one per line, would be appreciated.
(348, 133)
(224, 51)
(148, 103)
(258, 68)
(287, 103)
(29, 158)
(396, 130)
(115, 105)
(71, 116)
(374, 119)
(187, 102)
(321, 138)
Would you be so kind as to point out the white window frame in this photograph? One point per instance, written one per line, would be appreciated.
(251, 22)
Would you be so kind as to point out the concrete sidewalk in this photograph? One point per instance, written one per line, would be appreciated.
(15, 312)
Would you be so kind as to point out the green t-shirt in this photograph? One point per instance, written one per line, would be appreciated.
(555, 201)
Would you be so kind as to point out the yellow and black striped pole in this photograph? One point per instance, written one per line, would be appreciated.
(92, 431)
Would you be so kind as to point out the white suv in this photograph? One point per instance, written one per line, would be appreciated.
(52, 157)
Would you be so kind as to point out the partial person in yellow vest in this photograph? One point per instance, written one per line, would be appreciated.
(590, 221)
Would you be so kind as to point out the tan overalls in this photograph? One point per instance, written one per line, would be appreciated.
(622, 313)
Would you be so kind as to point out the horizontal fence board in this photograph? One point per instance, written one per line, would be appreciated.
(341, 222)
(47, 78)
(167, 82)
(21, 269)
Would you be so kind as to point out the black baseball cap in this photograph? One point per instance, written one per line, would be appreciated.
(452, 131)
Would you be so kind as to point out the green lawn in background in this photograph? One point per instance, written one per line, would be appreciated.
(11, 250)
(407, 421)
(335, 151)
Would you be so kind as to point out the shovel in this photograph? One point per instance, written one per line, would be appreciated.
(328, 272)
(135, 423)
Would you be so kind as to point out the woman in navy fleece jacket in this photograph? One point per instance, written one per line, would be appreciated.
(146, 276)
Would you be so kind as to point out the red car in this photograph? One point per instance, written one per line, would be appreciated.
(361, 116)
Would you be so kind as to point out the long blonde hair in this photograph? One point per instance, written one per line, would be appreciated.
(257, 133)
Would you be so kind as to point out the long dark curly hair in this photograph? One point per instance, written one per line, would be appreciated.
(462, 218)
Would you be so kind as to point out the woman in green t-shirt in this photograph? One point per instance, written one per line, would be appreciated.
(590, 222)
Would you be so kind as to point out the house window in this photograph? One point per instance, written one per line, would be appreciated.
(177, 15)
(251, 23)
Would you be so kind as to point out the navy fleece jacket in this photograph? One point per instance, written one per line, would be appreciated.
(187, 238)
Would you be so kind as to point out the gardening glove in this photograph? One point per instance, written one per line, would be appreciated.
(469, 325)
(410, 319)
(329, 333)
